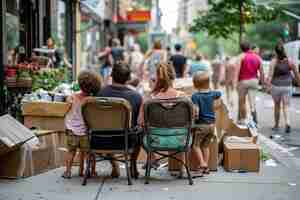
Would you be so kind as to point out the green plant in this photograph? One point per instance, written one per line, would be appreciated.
(24, 74)
(48, 79)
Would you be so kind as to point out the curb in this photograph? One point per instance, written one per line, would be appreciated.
(279, 153)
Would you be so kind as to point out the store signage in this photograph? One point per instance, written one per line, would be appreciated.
(138, 16)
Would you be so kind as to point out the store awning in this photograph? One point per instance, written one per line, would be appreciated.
(93, 8)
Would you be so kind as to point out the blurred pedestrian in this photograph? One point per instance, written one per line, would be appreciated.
(179, 62)
(217, 72)
(230, 78)
(153, 57)
(135, 61)
(198, 64)
(281, 73)
(249, 70)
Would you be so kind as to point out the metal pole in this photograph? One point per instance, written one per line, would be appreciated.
(2, 53)
(69, 26)
(157, 14)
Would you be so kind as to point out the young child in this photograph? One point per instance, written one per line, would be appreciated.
(90, 84)
(205, 102)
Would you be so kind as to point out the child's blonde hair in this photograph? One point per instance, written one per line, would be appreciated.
(201, 80)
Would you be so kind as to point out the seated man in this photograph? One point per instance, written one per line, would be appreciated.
(120, 75)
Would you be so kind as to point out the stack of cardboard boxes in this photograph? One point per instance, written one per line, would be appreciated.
(25, 152)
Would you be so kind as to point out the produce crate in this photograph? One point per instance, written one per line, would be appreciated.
(45, 109)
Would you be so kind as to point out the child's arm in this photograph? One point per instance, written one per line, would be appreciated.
(217, 100)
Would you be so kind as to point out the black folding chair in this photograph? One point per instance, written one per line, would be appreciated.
(168, 126)
(110, 134)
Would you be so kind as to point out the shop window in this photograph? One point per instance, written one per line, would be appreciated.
(12, 28)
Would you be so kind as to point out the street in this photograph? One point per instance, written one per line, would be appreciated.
(265, 114)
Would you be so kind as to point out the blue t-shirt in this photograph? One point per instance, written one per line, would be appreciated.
(198, 66)
(205, 103)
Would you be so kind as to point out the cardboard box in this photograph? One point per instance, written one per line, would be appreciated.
(213, 162)
(45, 109)
(12, 134)
(45, 115)
(46, 123)
(245, 157)
(174, 165)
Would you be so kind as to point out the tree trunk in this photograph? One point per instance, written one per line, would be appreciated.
(241, 21)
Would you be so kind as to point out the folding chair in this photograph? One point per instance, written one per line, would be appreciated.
(168, 126)
(109, 130)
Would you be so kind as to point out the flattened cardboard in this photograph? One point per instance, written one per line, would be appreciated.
(31, 160)
(245, 157)
(12, 134)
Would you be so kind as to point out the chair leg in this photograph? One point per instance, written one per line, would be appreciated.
(128, 170)
(148, 168)
(187, 167)
(87, 170)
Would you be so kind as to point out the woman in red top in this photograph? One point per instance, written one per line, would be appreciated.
(250, 65)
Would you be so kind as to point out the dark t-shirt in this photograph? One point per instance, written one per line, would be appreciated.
(178, 62)
(133, 97)
(205, 103)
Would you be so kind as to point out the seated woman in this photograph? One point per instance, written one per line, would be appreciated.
(163, 89)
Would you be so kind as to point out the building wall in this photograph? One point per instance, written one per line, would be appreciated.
(188, 11)
(193, 9)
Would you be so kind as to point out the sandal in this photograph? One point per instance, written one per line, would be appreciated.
(66, 175)
(197, 173)
(206, 170)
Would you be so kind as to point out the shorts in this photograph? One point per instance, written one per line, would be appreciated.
(75, 142)
(281, 93)
(245, 86)
(203, 135)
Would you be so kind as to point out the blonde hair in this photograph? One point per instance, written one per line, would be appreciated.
(201, 80)
(157, 45)
(165, 75)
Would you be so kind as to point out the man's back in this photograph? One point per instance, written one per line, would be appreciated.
(130, 95)
(250, 65)
(179, 62)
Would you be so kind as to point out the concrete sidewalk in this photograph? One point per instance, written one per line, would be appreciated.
(278, 183)
(281, 182)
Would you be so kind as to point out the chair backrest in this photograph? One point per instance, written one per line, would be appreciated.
(168, 123)
(106, 113)
(168, 113)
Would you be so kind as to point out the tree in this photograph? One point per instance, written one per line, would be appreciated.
(226, 17)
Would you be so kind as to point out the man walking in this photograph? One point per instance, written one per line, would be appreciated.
(179, 62)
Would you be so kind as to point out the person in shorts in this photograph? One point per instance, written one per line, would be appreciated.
(281, 73)
(90, 84)
(205, 103)
(250, 67)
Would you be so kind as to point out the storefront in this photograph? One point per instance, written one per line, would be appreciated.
(26, 25)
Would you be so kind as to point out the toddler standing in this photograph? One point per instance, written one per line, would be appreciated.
(204, 101)
(90, 84)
